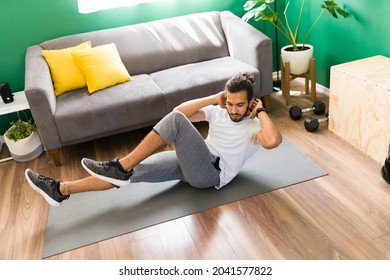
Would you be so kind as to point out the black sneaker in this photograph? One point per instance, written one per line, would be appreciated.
(48, 188)
(110, 171)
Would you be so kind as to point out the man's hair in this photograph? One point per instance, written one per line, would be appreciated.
(242, 81)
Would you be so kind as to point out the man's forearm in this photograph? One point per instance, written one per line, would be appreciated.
(269, 136)
(191, 107)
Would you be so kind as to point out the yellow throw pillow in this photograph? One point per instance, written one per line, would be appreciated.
(102, 67)
(65, 73)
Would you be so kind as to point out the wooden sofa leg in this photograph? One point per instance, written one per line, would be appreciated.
(56, 155)
(267, 102)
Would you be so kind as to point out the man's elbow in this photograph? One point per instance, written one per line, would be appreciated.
(272, 143)
(177, 108)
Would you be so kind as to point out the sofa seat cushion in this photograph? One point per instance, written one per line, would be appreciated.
(80, 115)
(201, 79)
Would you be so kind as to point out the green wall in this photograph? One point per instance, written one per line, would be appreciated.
(27, 22)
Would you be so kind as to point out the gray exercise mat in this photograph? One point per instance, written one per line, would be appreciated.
(91, 217)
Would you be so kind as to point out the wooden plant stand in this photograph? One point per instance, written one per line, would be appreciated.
(287, 77)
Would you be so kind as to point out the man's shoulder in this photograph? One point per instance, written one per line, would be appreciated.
(212, 110)
(211, 107)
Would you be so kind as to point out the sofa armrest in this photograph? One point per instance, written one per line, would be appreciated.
(251, 46)
(40, 96)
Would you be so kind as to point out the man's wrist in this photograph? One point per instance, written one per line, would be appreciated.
(259, 110)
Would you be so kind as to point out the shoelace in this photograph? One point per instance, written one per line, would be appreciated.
(107, 165)
(52, 184)
(114, 164)
(46, 179)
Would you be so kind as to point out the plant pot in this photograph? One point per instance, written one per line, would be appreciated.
(299, 60)
(25, 149)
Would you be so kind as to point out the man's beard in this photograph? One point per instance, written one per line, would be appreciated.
(238, 117)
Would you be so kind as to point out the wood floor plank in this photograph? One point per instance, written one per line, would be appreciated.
(9, 196)
(177, 241)
(292, 232)
(343, 226)
(149, 248)
(243, 234)
(210, 239)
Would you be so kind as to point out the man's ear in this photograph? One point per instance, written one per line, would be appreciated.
(251, 103)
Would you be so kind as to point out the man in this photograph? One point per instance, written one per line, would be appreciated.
(238, 125)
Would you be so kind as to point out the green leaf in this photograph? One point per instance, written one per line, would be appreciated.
(249, 4)
(255, 12)
(20, 130)
(248, 15)
(334, 9)
(271, 17)
(343, 13)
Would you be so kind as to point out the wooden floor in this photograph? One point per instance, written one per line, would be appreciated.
(345, 215)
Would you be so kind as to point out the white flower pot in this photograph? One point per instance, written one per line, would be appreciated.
(299, 60)
(25, 149)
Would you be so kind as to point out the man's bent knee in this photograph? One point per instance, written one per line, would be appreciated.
(169, 126)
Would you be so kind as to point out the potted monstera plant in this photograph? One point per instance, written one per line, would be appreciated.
(298, 53)
(23, 140)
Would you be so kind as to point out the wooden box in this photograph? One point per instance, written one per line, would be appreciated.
(359, 105)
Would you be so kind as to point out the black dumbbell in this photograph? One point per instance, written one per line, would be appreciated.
(318, 108)
(385, 171)
(312, 124)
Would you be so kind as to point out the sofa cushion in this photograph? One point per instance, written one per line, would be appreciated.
(152, 46)
(102, 67)
(80, 115)
(197, 80)
(65, 73)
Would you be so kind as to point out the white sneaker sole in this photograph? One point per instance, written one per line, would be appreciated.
(115, 182)
(49, 200)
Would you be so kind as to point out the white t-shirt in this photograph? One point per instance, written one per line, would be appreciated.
(233, 142)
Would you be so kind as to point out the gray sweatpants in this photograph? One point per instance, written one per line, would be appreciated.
(191, 161)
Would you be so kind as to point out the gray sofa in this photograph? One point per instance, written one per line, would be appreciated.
(171, 61)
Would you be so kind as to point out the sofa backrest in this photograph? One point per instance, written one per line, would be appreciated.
(157, 45)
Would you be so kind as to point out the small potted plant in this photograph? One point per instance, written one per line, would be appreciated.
(23, 140)
(262, 10)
